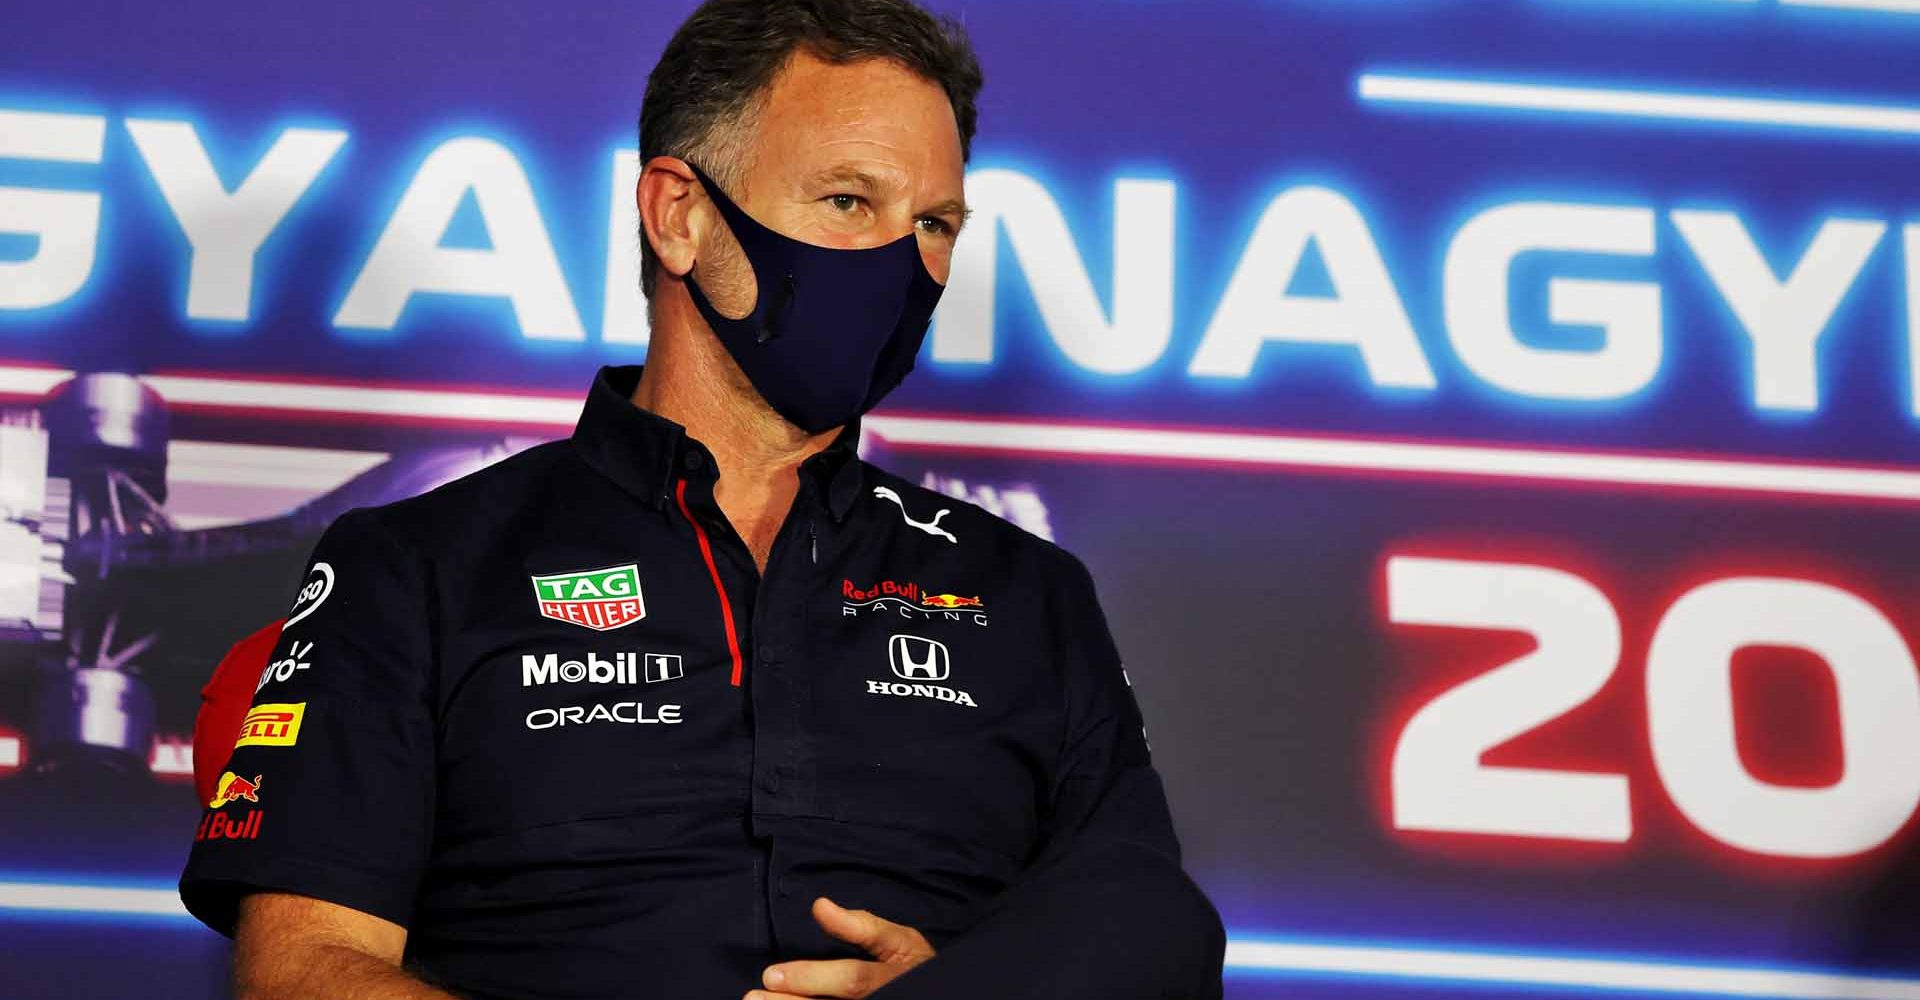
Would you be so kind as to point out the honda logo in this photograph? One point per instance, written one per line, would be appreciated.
(917, 659)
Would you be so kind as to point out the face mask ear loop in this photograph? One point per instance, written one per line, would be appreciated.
(731, 216)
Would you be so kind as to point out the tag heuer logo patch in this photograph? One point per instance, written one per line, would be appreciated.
(599, 599)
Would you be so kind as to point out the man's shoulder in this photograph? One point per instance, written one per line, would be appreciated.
(975, 530)
(475, 500)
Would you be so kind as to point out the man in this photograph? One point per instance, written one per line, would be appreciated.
(696, 703)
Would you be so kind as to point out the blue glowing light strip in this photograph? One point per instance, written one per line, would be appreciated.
(1267, 956)
(1504, 969)
(94, 900)
(1634, 103)
(1877, 6)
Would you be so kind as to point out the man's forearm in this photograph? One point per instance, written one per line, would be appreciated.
(1105, 911)
(1116, 919)
(265, 971)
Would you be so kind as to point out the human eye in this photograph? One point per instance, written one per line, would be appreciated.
(934, 225)
(844, 203)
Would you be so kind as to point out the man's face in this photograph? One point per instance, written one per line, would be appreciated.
(850, 156)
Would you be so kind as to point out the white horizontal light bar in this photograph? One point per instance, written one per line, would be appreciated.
(1486, 461)
(1882, 6)
(1618, 102)
(102, 900)
(26, 380)
(1885, 6)
(1506, 970)
(1098, 441)
(275, 395)
(449, 405)
(222, 463)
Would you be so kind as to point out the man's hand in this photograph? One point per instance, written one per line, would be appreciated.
(895, 949)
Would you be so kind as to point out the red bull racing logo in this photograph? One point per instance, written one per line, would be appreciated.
(233, 788)
(910, 600)
(599, 599)
(218, 825)
(951, 601)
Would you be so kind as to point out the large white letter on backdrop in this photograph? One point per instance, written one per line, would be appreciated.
(520, 264)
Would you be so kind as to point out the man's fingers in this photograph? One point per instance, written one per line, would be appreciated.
(852, 926)
(883, 939)
(771, 995)
(896, 948)
(851, 978)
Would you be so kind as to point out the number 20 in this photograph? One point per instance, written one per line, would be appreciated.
(1439, 783)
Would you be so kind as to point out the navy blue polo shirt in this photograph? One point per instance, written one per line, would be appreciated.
(552, 719)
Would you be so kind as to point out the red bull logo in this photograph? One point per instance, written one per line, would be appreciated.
(951, 601)
(218, 826)
(897, 599)
(885, 588)
(233, 788)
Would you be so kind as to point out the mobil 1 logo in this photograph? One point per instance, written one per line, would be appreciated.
(538, 669)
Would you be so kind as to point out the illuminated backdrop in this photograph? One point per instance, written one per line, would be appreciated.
(1491, 425)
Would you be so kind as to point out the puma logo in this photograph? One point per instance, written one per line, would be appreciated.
(930, 527)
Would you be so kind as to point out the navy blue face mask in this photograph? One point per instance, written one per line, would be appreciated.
(831, 331)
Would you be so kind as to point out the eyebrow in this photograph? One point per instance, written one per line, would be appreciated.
(867, 184)
(956, 208)
(851, 176)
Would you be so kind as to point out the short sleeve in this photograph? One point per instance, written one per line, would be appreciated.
(329, 792)
(224, 701)
(1105, 784)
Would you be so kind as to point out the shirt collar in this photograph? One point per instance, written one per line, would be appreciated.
(644, 452)
(836, 469)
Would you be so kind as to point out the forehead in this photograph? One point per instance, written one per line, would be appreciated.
(875, 110)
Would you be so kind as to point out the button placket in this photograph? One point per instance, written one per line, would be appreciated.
(779, 696)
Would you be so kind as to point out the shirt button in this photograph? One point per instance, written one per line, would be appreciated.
(770, 780)
(770, 653)
(691, 459)
(782, 886)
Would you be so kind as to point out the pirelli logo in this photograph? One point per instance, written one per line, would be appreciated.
(276, 725)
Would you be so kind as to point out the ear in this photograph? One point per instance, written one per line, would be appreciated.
(665, 196)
